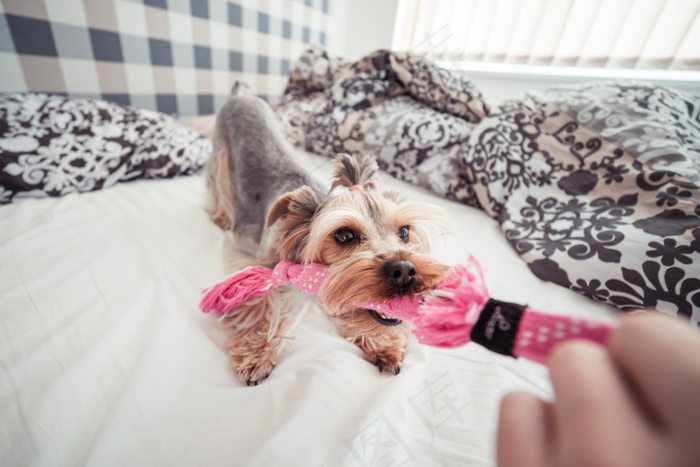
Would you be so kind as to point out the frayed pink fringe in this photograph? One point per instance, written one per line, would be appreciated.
(236, 289)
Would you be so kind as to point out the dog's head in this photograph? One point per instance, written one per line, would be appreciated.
(375, 246)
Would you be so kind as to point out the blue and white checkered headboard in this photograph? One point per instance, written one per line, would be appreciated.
(175, 56)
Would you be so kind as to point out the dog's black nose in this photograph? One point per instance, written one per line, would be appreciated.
(401, 272)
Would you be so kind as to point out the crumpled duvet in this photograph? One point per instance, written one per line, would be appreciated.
(596, 186)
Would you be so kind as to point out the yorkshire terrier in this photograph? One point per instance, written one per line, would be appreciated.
(272, 209)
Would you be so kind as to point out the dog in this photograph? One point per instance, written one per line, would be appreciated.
(272, 209)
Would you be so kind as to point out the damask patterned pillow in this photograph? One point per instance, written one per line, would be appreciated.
(597, 187)
(412, 114)
(53, 145)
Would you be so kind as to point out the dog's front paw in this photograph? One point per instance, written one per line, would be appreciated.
(252, 372)
(256, 375)
(384, 351)
(388, 363)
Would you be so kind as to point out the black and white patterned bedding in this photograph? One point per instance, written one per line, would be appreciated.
(52, 145)
(412, 115)
(596, 186)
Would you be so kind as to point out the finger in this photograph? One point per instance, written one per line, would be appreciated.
(524, 431)
(659, 355)
(593, 406)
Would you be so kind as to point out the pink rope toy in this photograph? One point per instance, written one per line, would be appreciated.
(458, 311)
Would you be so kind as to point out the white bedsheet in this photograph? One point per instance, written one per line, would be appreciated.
(107, 361)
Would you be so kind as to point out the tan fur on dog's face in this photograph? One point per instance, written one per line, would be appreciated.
(361, 235)
(382, 231)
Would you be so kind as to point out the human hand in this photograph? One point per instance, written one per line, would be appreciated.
(634, 403)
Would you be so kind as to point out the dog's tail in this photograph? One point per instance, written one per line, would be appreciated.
(240, 88)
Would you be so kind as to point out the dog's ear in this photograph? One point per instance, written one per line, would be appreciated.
(355, 169)
(295, 211)
(300, 204)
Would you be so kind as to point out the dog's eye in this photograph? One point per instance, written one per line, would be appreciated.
(345, 236)
(403, 233)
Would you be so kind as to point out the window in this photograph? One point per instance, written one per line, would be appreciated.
(611, 34)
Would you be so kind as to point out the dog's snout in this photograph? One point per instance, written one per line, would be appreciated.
(401, 272)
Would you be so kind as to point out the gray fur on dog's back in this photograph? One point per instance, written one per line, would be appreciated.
(262, 164)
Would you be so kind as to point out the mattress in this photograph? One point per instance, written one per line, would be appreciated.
(106, 359)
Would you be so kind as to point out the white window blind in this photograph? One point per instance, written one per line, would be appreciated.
(649, 34)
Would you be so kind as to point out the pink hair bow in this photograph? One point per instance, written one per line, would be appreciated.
(458, 311)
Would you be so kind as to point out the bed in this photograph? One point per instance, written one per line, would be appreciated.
(106, 249)
(107, 360)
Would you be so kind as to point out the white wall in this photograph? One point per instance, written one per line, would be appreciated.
(359, 27)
